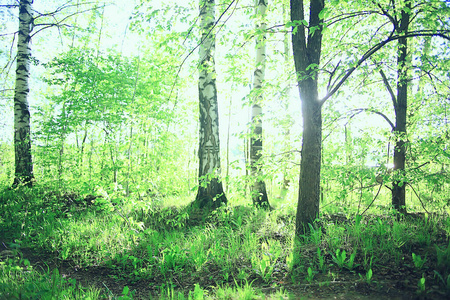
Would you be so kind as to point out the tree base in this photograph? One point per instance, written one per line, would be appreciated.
(211, 196)
(24, 181)
(259, 195)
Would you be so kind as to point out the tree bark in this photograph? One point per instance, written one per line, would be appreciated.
(258, 188)
(22, 139)
(286, 131)
(307, 51)
(210, 191)
(401, 105)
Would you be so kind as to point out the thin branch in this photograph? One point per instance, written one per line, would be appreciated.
(50, 26)
(418, 197)
(374, 49)
(393, 20)
(357, 111)
(345, 16)
(198, 45)
(10, 33)
(389, 88)
(420, 166)
(378, 113)
(59, 24)
(59, 9)
(332, 75)
(374, 198)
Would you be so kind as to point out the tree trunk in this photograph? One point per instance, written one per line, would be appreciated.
(22, 140)
(258, 188)
(398, 185)
(286, 131)
(210, 191)
(309, 185)
(307, 51)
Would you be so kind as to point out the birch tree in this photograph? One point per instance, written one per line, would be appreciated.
(22, 141)
(29, 26)
(258, 188)
(210, 191)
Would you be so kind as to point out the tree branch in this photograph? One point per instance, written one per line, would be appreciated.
(375, 112)
(375, 48)
(198, 45)
(389, 88)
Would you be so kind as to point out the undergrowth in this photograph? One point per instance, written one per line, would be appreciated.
(229, 253)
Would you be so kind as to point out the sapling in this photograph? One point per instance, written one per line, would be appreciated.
(418, 261)
(421, 284)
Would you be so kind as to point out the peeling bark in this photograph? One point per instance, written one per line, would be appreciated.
(210, 192)
(22, 140)
(258, 188)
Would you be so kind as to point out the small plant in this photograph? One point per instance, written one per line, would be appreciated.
(242, 275)
(310, 275)
(350, 263)
(421, 285)
(315, 234)
(380, 227)
(418, 261)
(321, 260)
(126, 295)
(368, 277)
(197, 294)
(367, 260)
(340, 257)
(265, 264)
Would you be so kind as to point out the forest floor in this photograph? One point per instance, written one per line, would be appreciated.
(131, 251)
(393, 283)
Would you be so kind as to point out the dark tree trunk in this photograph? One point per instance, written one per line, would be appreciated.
(307, 51)
(309, 184)
(401, 105)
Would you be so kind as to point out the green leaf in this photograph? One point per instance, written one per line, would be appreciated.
(125, 291)
(323, 13)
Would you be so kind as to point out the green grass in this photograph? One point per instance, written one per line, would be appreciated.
(229, 254)
(18, 280)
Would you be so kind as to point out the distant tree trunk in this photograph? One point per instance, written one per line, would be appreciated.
(287, 132)
(258, 188)
(307, 51)
(400, 106)
(227, 175)
(22, 139)
(210, 191)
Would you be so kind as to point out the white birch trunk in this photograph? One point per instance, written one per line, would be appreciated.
(22, 142)
(210, 191)
(258, 188)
